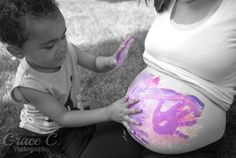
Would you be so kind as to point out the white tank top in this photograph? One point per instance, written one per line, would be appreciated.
(202, 54)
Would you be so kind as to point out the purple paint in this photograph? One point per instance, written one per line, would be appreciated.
(167, 123)
(123, 52)
(170, 111)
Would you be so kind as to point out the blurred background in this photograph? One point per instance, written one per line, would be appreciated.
(98, 27)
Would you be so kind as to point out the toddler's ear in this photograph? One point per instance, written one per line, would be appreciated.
(16, 51)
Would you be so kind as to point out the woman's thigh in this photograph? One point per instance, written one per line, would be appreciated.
(209, 151)
(189, 155)
(112, 141)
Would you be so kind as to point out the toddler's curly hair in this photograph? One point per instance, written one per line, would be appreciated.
(13, 16)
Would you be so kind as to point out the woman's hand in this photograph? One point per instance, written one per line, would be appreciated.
(120, 110)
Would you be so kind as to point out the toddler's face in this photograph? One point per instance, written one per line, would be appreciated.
(46, 46)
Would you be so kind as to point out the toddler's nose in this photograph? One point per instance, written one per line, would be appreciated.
(62, 47)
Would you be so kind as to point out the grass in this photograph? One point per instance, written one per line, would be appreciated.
(98, 27)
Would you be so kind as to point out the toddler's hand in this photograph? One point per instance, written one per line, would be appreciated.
(122, 52)
(120, 110)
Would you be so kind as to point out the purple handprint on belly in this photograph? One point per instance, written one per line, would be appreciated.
(183, 112)
(166, 113)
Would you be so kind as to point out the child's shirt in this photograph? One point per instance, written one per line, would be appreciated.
(61, 85)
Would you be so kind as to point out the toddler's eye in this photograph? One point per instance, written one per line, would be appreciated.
(49, 46)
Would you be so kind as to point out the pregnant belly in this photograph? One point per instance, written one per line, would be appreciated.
(175, 117)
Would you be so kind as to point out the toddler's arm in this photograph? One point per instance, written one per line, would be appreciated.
(102, 63)
(119, 111)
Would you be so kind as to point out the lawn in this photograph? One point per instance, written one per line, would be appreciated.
(97, 27)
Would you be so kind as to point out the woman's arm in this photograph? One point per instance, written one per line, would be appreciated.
(49, 106)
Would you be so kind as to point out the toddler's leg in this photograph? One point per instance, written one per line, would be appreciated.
(24, 147)
(74, 140)
(112, 141)
(13, 154)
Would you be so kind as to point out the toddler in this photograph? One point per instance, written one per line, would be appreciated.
(46, 80)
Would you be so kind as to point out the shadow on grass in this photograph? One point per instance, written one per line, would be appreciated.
(101, 89)
(115, 1)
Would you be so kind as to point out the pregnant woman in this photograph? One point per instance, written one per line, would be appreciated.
(186, 88)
